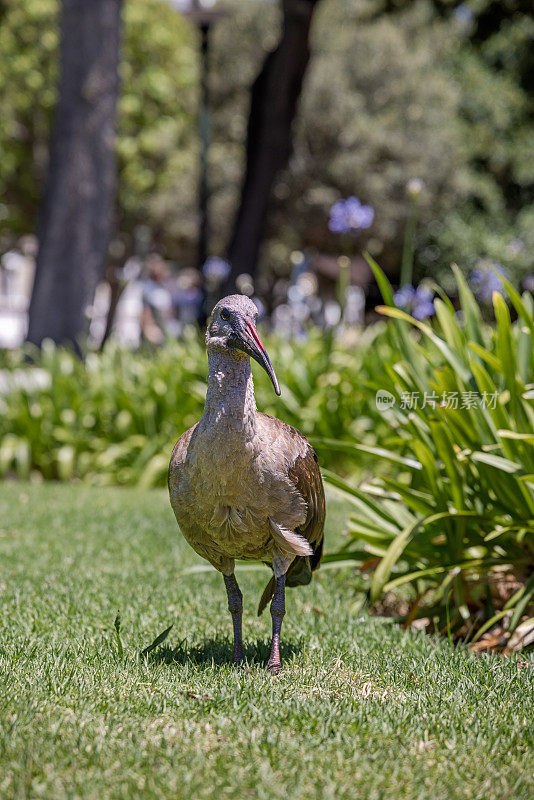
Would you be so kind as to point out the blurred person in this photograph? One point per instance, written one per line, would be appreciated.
(17, 268)
(157, 300)
(186, 295)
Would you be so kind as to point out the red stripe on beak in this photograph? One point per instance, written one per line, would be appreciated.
(254, 333)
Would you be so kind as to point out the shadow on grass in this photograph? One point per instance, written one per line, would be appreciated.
(219, 651)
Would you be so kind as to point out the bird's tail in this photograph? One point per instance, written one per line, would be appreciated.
(266, 596)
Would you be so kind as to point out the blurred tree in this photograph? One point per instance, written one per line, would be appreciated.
(28, 78)
(158, 139)
(378, 108)
(157, 135)
(273, 104)
(493, 65)
(77, 208)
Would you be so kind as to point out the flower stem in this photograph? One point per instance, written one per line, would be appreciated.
(409, 244)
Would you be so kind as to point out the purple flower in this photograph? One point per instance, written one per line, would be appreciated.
(216, 269)
(423, 310)
(417, 302)
(403, 297)
(423, 294)
(463, 14)
(528, 282)
(423, 302)
(350, 216)
(484, 281)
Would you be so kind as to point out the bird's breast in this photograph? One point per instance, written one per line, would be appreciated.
(226, 494)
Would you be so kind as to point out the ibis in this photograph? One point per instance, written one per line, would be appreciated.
(243, 484)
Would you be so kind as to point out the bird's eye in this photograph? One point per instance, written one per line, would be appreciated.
(225, 314)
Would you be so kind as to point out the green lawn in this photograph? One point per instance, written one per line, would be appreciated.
(360, 709)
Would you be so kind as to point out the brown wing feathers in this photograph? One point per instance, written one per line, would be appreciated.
(306, 477)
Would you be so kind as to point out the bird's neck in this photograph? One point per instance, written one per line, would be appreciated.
(230, 405)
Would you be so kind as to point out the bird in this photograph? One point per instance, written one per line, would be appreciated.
(243, 484)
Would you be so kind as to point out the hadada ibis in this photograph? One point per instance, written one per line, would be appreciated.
(243, 484)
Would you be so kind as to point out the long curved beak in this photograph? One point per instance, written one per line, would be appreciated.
(249, 341)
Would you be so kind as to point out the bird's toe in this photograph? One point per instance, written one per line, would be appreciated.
(240, 663)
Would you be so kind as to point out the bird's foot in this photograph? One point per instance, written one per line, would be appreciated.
(240, 661)
(273, 667)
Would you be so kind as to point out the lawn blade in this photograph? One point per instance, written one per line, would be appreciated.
(117, 626)
(157, 641)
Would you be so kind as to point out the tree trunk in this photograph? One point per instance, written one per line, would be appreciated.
(274, 99)
(78, 204)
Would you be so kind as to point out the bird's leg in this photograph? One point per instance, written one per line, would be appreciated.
(235, 607)
(278, 609)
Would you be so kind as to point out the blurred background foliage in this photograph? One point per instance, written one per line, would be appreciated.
(440, 91)
(114, 417)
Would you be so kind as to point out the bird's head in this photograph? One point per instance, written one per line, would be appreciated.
(232, 329)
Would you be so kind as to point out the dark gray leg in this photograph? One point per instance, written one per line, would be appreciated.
(235, 607)
(278, 609)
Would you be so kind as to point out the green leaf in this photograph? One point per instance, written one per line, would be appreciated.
(470, 308)
(505, 349)
(441, 294)
(489, 624)
(442, 346)
(157, 641)
(374, 510)
(445, 449)
(503, 464)
(427, 458)
(421, 502)
(117, 626)
(345, 557)
(350, 447)
(524, 353)
(502, 531)
(381, 279)
(524, 437)
(449, 326)
(409, 577)
(395, 550)
(519, 602)
(516, 301)
(486, 356)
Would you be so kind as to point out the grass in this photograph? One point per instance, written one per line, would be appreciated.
(361, 709)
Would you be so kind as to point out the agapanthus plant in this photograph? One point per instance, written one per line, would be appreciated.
(417, 301)
(350, 216)
(485, 280)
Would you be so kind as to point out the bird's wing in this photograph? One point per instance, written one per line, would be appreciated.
(306, 476)
(304, 473)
